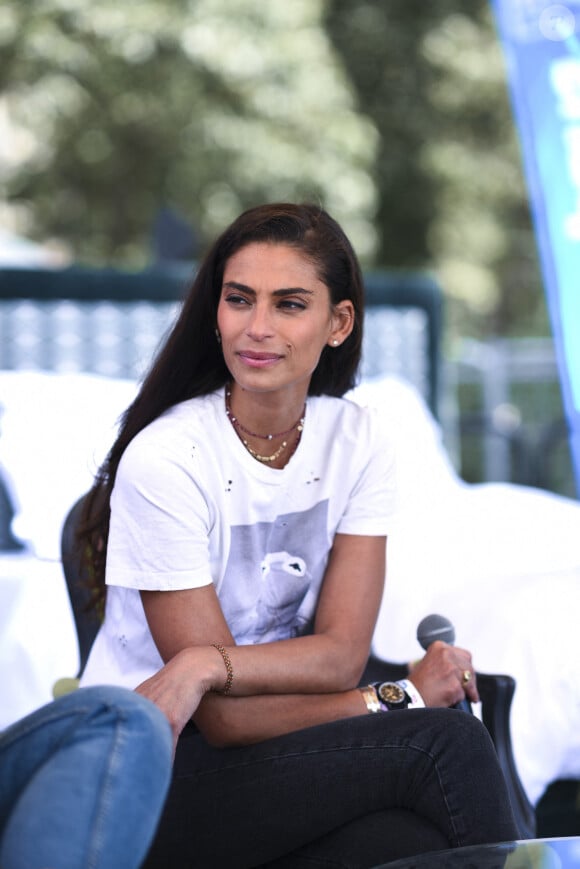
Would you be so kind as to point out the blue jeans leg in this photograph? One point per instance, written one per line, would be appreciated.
(299, 793)
(83, 782)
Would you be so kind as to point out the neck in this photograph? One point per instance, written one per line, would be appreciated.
(265, 413)
(264, 440)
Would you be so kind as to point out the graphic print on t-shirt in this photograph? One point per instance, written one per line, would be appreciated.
(273, 575)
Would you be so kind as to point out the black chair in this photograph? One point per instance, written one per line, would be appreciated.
(496, 691)
(80, 591)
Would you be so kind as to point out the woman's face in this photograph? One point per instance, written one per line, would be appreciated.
(275, 318)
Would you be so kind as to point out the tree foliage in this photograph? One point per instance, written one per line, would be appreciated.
(393, 113)
(451, 190)
(204, 105)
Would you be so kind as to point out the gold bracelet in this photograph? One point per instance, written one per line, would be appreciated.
(370, 697)
(229, 669)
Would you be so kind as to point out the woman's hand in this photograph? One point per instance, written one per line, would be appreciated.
(440, 675)
(178, 688)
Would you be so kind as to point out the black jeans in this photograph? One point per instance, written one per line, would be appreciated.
(350, 794)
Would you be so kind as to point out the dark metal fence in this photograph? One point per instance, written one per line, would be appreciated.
(109, 322)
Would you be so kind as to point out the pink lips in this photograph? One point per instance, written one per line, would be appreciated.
(258, 360)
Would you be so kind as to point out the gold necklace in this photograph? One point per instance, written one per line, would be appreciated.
(267, 437)
(238, 427)
(275, 455)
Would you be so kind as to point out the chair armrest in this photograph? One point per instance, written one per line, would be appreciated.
(496, 692)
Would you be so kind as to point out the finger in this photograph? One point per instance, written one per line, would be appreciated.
(473, 693)
(463, 658)
(466, 676)
(469, 684)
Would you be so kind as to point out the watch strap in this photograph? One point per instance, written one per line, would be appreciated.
(415, 699)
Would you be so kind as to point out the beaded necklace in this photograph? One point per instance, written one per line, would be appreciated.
(238, 428)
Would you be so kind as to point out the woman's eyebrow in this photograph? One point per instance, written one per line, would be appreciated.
(234, 285)
(291, 291)
(283, 291)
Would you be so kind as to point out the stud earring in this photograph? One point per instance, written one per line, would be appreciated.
(335, 343)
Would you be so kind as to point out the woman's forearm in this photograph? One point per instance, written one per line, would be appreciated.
(190, 685)
(230, 721)
(315, 664)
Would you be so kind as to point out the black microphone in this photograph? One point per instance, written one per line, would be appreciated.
(435, 627)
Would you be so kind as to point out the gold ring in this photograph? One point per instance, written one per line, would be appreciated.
(466, 676)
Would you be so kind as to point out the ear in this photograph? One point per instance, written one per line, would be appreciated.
(342, 323)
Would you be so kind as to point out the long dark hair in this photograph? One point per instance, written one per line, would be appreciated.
(190, 363)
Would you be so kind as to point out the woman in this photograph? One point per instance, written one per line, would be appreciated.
(249, 507)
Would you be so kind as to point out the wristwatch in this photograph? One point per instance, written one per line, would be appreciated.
(398, 695)
(392, 695)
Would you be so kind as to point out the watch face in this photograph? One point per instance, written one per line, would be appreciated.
(390, 692)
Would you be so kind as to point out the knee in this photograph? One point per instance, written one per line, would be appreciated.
(462, 725)
(469, 730)
(133, 713)
(465, 738)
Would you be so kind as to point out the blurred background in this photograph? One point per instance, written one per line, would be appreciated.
(131, 133)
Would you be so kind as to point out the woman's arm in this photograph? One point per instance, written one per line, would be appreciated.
(179, 689)
(325, 666)
(285, 686)
(332, 659)
(182, 684)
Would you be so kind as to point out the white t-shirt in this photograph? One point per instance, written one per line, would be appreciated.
(191, 506)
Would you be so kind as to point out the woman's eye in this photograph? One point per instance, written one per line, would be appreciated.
(235, 299)
(292, 305)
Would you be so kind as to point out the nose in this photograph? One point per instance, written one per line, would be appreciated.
(259, 324)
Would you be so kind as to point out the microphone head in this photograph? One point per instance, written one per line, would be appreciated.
(433, 628)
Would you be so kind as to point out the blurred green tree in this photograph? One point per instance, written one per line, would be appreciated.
(451, 193)
(393, 113)
(118, 109)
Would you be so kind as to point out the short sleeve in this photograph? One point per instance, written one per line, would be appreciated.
(372, 506)
(160, 521)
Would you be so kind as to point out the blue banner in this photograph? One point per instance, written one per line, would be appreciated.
(543, 58)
